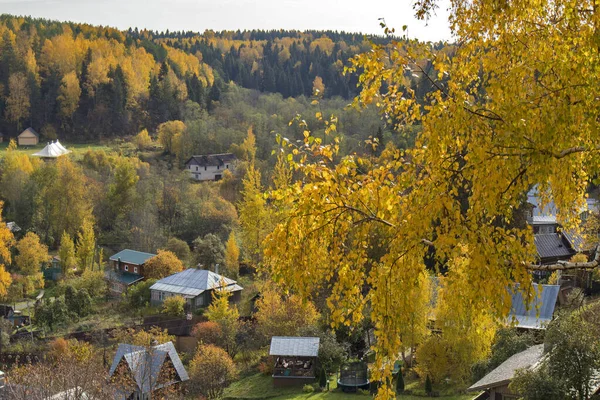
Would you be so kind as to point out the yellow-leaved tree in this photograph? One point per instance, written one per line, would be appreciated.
(6, 241)
(232, 257)
(163, 264)
(32, 254)
(169, 133)
(513, 105)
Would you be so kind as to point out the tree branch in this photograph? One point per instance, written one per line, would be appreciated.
(567, 265)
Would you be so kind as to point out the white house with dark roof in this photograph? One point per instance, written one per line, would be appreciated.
(210, 167)
(496, 382)
(194, 285)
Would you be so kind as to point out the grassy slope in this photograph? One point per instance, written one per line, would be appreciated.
(77, 149)
(259, 386)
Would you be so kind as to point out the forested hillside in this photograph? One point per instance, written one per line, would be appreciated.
(83, 83)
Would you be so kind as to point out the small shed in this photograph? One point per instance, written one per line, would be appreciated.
(29, 137)
(496, 382)
(295, 360)
(544, 302)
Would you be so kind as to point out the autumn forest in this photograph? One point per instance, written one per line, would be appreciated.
(304, 214)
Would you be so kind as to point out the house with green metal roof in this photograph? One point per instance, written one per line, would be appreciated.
(126, 269)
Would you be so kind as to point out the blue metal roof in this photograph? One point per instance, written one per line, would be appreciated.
(542, 303)
(123, 277)
(132, 257)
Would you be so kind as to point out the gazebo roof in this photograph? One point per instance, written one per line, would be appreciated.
(294, 346)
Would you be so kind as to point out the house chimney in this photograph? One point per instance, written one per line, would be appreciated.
(216, 268)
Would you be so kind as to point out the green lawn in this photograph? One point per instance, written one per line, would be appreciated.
(259, 386)
(77, 149)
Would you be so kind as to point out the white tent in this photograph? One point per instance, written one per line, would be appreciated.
(61, 147)
(52, 150)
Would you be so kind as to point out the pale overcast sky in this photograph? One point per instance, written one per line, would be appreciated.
(198, 15)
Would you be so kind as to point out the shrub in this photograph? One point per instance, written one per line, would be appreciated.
(322, 378)
(266, 367)
(84, 302)
(212, 370)
(174, 306)
(331, 352)
(138, 295)
(400, 382)
(308, 389)
(208, 332)
(428, 385)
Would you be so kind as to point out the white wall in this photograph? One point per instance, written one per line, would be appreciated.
(208, 173)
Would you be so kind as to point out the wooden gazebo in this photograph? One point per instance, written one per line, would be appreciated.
(295, 360)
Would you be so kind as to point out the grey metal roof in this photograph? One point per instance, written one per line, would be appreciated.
(182, 290)
(13, 227)
(543, 302)
(543, 220)
(294, 346)
(212, 160)
(132, 256)
(552, 245)
(145, 364)
(506, 371)
(576, 241)
(550, 209)
(196, 281)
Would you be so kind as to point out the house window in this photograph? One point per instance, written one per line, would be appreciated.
(218, 167)
(200, 300)
(126, 267)
(227, 166)
(135, 270)
(196, 168)
(205, 167)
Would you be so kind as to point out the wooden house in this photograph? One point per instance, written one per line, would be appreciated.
(194, 285)
(495, 384)
(29, 137)
(295, 360)
(140, 373)
(127, 268)
(210, 167)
